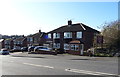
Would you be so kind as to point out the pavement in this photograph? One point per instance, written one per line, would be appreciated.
(63, 56)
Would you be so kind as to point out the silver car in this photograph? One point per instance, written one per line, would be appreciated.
(4, 51)
(42, 48)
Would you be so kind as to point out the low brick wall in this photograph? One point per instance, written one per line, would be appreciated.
(73, 52)
(45, 52)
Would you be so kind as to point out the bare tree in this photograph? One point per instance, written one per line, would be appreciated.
(111, 34)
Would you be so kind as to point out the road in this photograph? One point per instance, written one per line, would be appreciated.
(58, 65)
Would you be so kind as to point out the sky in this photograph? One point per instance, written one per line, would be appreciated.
(24, 17)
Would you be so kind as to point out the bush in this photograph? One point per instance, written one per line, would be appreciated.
(98, 52)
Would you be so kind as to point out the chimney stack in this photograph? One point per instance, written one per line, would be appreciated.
(69, 22)
(39, 31)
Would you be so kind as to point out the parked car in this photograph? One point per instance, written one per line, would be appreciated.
(15, 50)
(24, 49)
(44, 50)
(31, 48)
(39, 48)
(117, 54)
(4, 52)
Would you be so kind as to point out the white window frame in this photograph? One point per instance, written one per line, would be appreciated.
(74, 47)
(56, 45)
(31, 39)
(66, 47)
(28, 39)
(56, 35)
(49, 35)
(79, 34)
(67, 34)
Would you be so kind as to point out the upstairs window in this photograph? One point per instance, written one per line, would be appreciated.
(56, 35)
(68, 35)
(31, 39)
(79, 34)
(49, 35)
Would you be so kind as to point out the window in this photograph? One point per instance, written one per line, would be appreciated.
(74, 47)
(68, 35)
(28, 39)
(31, 39)
(56, 35)
(49, 35)
(56, 45)
(66, 46)
(79, 34)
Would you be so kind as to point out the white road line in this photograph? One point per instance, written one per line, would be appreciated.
(88, 72)
(39, 65)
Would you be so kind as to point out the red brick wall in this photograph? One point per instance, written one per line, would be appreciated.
(73, 52)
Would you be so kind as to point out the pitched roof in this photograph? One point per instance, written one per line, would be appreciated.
(9, 39)
(19, 39)
(74, 27)
(38, 34)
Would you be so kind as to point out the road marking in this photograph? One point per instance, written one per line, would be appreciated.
(39, 65)
(88, 72)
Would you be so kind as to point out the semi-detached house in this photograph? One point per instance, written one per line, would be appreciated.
(72, 38)
(20, 42)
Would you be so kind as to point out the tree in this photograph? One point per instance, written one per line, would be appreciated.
(111, 34)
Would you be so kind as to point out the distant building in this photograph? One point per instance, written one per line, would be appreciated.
(20, 42)
(36, 39)
(0, 36)
(8, 43)
(1, 44)
(72, 38)
(29, 40)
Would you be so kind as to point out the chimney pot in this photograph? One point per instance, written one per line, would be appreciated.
(69, 22)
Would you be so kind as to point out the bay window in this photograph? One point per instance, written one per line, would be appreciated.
(74, 47)
(66, 46)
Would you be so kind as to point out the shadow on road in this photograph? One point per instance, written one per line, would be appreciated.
(29, 56)
(79, 59)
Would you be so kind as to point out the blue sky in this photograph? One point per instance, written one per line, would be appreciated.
(28, 17)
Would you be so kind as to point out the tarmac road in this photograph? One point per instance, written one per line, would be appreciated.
(38, 64)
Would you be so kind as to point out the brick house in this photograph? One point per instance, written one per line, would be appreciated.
(1, 43)
(72, 38)
(36, 39)
(29, 40)
(20, 42)
(8, 43)
(0, 36)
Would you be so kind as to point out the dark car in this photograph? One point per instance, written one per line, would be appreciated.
(24, 49)
(4, 52)
(31, 48)
(15, 50)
